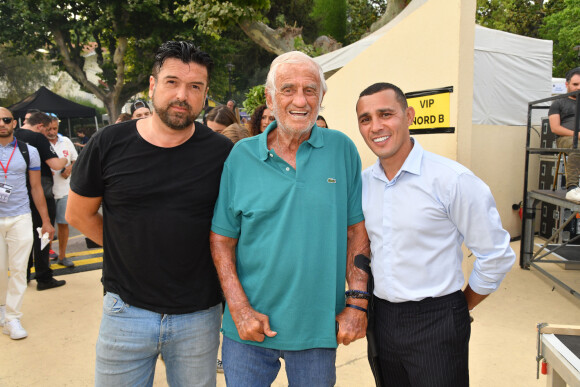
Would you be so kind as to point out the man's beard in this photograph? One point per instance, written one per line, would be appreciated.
(176, 121)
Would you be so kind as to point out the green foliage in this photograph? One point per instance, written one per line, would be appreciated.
(21, 76)
(67, 27)
(330, 15)
(212, 17)
(563, 27)
(361, 14)
(556, 20)
(522, 17)
(81, 101)
(255, 97)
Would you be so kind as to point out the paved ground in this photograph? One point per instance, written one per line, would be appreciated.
(63, 324)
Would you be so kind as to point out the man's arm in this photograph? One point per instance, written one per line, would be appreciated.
(67, 170)
(251, 324)
(473, 298)
(353, 322)
(56, 163)
(83, 214)
(558, 129)
(37, 194)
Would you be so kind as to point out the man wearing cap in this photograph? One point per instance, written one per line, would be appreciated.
(140, 109)
(16, 233)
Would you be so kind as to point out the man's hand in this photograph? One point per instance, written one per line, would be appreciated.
(251, 324)
(352, 323)
(47, 227)
(66, 172)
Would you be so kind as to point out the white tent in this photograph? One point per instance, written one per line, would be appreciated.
(509, 70)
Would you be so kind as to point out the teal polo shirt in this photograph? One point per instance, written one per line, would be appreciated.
(291, 225)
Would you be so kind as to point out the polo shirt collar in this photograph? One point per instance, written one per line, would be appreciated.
(412, 163)
(12, 143)
(316, 139)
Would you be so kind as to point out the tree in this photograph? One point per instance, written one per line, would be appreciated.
(212, 16)
(553, 19)
(330, 15)
(522, 17)
(394, 7)
(361, 15)
(21, 76)
(124, 35)
(563, 28)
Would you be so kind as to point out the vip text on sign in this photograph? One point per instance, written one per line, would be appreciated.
(431, 111)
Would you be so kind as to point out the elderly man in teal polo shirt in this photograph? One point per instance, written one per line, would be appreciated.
(287, 225)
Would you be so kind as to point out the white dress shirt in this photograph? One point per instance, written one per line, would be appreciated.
(64, 148)
(418, 221)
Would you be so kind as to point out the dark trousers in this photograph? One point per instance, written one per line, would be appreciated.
(424, 343)
(39, 258)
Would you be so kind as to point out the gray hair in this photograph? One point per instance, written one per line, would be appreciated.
(292, 57)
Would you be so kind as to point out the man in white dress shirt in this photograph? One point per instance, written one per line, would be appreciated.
(419, 208)
(64, 148)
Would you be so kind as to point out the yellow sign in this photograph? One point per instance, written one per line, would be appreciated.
(431, 111)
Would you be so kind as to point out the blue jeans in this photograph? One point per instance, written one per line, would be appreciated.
(252, 366)
(131, 339)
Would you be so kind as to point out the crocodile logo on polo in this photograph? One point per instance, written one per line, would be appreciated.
(331, 180)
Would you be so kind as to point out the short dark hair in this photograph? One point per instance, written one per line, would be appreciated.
(571, 73)
(382, 86)
(32, 111)
(39, 118)
(184, 51)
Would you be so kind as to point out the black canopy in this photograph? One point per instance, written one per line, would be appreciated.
(49, 102)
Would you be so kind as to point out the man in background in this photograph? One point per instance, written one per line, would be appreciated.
(31, 133)
(21, 167)
(64, 148)
(562, 115)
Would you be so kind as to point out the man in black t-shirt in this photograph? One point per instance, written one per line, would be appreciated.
(157, 179)
(31, 133)
(562, 115)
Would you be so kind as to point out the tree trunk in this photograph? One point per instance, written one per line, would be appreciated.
(112, 96)
(394, 7)
(281, 40)
(276, 41)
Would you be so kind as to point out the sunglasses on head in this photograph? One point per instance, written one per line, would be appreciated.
(7, 120)
(52, 115)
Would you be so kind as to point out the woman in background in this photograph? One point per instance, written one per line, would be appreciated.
(220, 117)
(260, 120)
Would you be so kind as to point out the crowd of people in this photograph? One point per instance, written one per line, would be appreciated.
(274, 226)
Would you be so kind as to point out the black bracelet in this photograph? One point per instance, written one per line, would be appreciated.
(357, 308)
(357, 294)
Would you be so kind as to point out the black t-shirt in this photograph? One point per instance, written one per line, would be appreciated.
(157, 211)
(566, 108)
(41, 143)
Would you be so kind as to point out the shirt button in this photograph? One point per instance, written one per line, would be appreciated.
(271, 155)
(287, 168)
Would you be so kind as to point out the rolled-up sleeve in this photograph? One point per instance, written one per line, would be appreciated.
(474, 212)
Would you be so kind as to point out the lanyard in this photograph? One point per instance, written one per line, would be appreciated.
(5, 169)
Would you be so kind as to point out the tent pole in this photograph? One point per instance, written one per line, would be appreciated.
(96, 124)
(69, 131)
